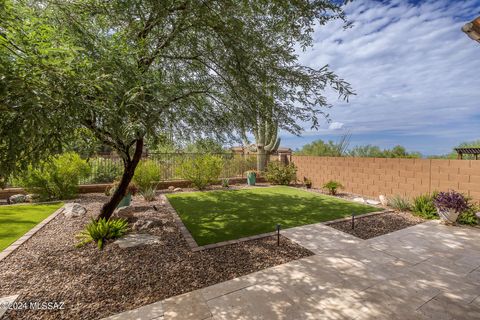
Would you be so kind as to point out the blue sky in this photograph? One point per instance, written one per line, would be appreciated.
(416, 75)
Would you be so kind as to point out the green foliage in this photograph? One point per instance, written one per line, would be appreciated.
(399, 203)
(148, 173)
(201, 171)
(56, 178)
(225, 182)
(325, 149)
(149, 194)
(105, 170)
(102, 230)
(424, 207)
(375, 152)
(468, 217)
(205, 145)
(332, 186)
(279, 173)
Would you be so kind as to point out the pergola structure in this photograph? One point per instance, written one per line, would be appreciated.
(472, 29)
(462, 151)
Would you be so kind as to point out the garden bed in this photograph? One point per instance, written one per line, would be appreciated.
(379, 224)
(94, 284)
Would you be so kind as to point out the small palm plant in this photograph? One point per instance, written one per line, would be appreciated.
(332, 187)
(101, 230)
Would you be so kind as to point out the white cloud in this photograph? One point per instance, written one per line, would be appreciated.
(335, 126)
(413, 69)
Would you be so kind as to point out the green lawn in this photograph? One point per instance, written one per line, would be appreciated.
(16, 220)
(217, 216)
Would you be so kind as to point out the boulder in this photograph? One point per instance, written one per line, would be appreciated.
(373, 202)
(383, 200)
(74, 210)
(361, 200)
(124, 212)
(141, 225)
(177, 189)
(30, 197)
(17, 198)
(171, 188)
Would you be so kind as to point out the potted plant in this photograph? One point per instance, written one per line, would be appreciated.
(251, 177)
(450, 205)
(132, 189)
(307, 182)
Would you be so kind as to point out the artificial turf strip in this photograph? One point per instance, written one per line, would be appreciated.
(16, 220)
(217, 216)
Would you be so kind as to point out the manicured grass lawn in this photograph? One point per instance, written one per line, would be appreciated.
(16, 220)
(217, 216)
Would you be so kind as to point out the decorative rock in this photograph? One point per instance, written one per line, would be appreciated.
(74, 210)
(383, 200)
(17, 198)
(373, 202)
(124, 212)
(171, 188)
(30, 197)
(145, 224)
(361, 200)
(177, 189)
(136, 239)
(478, 217)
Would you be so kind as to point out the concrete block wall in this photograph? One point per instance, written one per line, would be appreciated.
(406, 177)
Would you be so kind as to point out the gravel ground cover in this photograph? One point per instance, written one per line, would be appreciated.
(377, 225)
(94, 284)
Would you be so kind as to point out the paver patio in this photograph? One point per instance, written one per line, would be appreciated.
(428, 271)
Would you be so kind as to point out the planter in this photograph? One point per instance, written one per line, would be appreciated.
(125, 201)
(448, 216)
(251, 178)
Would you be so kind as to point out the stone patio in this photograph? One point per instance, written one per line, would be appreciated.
(428, 271)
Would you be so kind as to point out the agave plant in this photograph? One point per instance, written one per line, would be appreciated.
(101, 230)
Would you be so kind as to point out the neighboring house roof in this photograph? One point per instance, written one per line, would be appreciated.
(241, 149)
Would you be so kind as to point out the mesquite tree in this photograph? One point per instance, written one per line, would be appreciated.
(130, 69)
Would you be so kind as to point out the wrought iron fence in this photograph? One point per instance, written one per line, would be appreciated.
(107, 169)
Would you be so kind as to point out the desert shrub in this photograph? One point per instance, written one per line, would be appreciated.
(236, 165)
(201, 171)
(400, 203)
(147, 173)
(279, 173)
(225, 182)
(105, 170)
(131, 189)
(101, 231)
(55, 179)
(149, 194)
(332, 187)
(468, 217)
(424, 207)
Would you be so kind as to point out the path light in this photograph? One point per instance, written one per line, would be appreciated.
(278, 234)
(353, 221)
(472, 29)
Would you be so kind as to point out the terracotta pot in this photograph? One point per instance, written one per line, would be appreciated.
(448, 216)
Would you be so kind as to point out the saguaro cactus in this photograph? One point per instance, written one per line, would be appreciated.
(267, 141)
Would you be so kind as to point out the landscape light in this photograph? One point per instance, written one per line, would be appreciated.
(472, 29)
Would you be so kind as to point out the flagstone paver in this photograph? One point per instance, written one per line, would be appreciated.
(428, 271)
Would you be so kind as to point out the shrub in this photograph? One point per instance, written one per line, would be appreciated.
(56, 178)
(131, 189)
(424, 207)
(400, 203)
(279, 173)
(451, 200)
(146, 174)
(225, 182)
(332, 187)
(468, 216)
(201, 171)
(105, 170)
(101, 231)
(149, 194)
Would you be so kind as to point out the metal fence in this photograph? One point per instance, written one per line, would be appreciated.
(107, 169)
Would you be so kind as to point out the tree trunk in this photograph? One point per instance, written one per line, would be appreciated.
(128, 172)
(261, 158)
